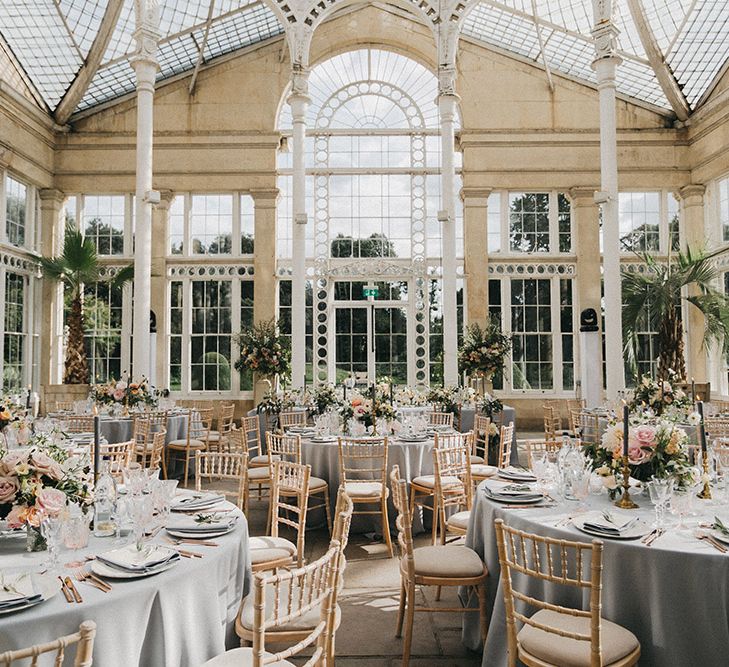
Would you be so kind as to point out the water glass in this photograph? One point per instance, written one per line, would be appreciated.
(51, 528)
(135, 479)
(681, 500)
(140, 510)
(660, 490)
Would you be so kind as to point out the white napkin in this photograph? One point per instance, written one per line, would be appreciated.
(197, 501)
(610, 523)
(517, 473)
(131, 559)
(523, 491)
(16, 588)
(192, 524)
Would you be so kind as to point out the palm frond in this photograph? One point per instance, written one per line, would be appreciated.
(123, 276)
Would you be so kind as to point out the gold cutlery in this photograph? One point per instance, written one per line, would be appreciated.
(92, 580)
(65, 591)
(710, 540)
(72, 588)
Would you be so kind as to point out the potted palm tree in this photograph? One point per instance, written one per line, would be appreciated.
(76, 266)
(658, 293)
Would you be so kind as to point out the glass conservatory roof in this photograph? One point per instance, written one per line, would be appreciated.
(687, 40)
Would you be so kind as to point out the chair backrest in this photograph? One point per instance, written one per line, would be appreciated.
(481, 427)
(250, 427)
(84, 639)
(404, 520)
(716, 427)
(440, 419)
(453, 462)
(342, 519)
(534, 447)
(575, 421)
(119, 455)
(589, 427)
(199, 422)
(280, 599)
(78, 423)
(556, 561)
(552, 422)
(363, 459)
(225, 418)
(292, 418)
(223, 466)
(286, 447)
(58, 406)
(290, 496)
(506, 438)
(158, 449)
(576, 404)
(454, 441)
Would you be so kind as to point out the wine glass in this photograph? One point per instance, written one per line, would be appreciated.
(140, 510)
(135, 479)
(76, 535)
(51, 528)
(579, 478)
(660, 490)
(681, 498)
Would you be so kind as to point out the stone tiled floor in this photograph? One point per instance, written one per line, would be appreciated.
(369, 602)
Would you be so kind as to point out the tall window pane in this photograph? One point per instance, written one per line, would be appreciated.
(15, 333)
(566, 324)
(177, 226)
(246, 320)
(176, 332)
(639, 219)
(103, 317)
(210, 342)
(16, 196)
(211, 224)
(529, 221)
(531, 326)
(247, 222)
(284, 319)
(103, 222)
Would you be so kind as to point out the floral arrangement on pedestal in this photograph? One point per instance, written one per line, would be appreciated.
(125, 392)
(490, 405)
(447, 398)
(41, 481)
(484, 350)
(660, 396)
(657, 447)
(264, 350)
(10, 411)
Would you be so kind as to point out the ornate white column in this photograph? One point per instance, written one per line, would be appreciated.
(605, 65)
(145, 67)
(447, 100)
(299, 102)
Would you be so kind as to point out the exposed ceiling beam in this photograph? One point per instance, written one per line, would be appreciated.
(542, 44)
(201, 51)
(80, 84)
(665, 77)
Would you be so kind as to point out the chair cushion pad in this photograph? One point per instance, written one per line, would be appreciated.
(364, 489)
(617, 642)
(259, 474)
(306, 622)
(447, 561)
(480, 470)
(459, 520)
(182, 444)
(477, 459)
(428, 481)
(316, 483)
(262, 459)
(264, 549)
(241, 657)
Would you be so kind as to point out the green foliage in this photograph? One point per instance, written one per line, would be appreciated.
(264, 350)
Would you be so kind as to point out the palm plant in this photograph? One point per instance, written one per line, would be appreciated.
(658, 294)
(76, 266)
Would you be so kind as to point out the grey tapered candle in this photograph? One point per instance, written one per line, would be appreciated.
(97, 445)
(626, 416)
(702, 427)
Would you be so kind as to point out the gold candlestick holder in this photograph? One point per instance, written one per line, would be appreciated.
(705, 492)
(625, 502)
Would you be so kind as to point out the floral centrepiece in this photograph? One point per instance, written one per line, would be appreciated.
(264, 350)
(125, 392)
(10, 411)
(660, 396)
(39, 481)
(483, 350)
(657, 447)
(367, 410)
(324, 398)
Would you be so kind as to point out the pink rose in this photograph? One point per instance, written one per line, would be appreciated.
(637, 455)
(10, 460)
(645, 436)
(50, 500)
(8, 488)
(15, 518)
(118, 394)
(45, 465)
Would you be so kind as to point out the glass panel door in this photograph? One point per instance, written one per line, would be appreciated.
(391, 350)
(351, 342)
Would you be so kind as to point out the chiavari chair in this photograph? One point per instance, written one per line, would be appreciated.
(440, 419)
(198, 428)
(218, 438)
(62, 406)
(589, 427)
(221, 467)
(145, 426)
(441, 565)
(118, 455)
(287, 599)
(423, 487)
(363, 475)
(157, 454)
(534, 447)
(553, 423)
(295, 418)
(83, 640)
(251, 429)
(453, 463)
(78, 423)
(716, 427)
(289, 496)
(481, 427)
(557, 635)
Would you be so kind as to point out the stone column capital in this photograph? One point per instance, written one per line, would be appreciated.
(692, 194)
(165, 200)
(51, 197)
(583, 196)
(265, 197)
(475, 197)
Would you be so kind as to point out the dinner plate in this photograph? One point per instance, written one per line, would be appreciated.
(48, 586)
(515, 500)
(199, 535)
(104, 570)
(414, 438)
(639, 529)
(722, 537)
(323, 439)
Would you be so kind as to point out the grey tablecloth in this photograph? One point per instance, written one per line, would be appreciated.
(181, 617)
(674, 596)
(120, 429)
(508, 415)
(414, 459)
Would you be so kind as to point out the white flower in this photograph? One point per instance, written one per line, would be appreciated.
(694, 419)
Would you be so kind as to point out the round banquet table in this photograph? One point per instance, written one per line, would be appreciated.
(120, 429)
(181, 617)
(674, 595)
